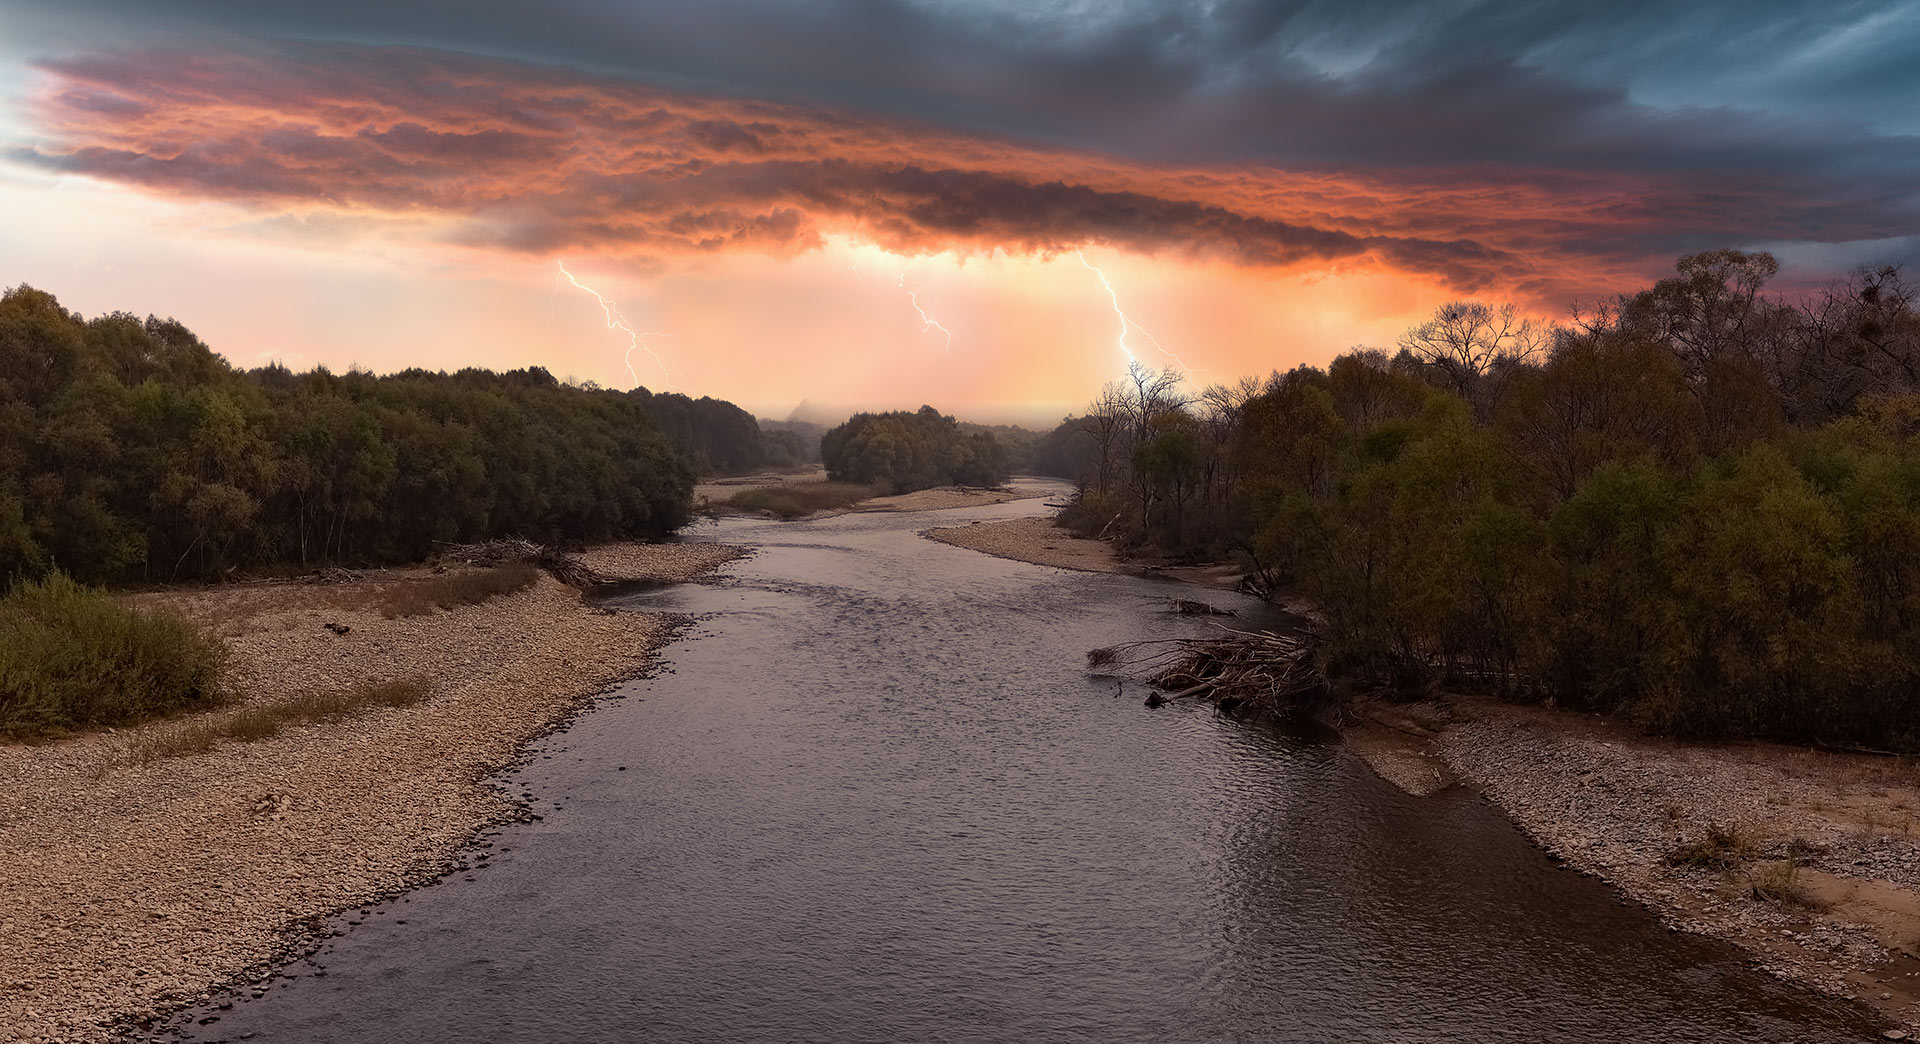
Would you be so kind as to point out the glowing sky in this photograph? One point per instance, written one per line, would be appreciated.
(791, 191)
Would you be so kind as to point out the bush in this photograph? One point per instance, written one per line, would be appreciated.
(1088, 514)
(74, 657)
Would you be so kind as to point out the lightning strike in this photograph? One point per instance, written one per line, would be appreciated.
(927, 322)
(636, 339)
(1127, 322)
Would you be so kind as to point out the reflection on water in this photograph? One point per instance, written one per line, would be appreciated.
(877, 798)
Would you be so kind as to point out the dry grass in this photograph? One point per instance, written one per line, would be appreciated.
(420, 597)
(1779, 883)
(264, 721)
(802, 498)
(1722, 850)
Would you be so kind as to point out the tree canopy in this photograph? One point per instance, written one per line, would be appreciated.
(1699, 505)
(901, 451)
(131, 452)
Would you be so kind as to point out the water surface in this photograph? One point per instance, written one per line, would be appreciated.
(874, 796)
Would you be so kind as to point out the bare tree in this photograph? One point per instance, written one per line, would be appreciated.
(1467, 340)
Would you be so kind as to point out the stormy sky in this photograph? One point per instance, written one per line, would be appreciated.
(882, 203)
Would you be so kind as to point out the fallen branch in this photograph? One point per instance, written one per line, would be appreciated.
(1189, 607)
(564, 567)
(1260, 671)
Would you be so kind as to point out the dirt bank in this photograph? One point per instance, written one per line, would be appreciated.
(1808, 859)
(711, 497)
(131, 884)
(711, 492)
(1039, 541)
(944, 497)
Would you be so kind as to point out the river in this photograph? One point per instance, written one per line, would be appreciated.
(872, 794)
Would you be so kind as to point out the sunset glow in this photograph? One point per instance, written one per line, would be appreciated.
(361, 202)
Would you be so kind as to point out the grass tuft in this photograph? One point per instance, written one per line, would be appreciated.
(267, 720)
(801, 498)
(1722, 849)
(75, 657)
(420, 597)
(1779, 883)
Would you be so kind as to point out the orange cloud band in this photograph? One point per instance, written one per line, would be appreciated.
(533, 159)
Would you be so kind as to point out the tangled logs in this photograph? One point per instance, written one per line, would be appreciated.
(1257, 672)
(564, 567)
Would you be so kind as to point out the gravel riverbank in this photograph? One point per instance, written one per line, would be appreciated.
(1808, 859)
(133, 883)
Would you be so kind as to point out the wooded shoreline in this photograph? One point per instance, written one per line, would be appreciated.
(1816, 879)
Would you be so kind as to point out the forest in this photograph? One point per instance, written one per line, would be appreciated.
(132, 453)
(1697, 505)
(902, 451)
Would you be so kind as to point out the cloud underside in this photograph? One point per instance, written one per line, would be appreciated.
(533, 159)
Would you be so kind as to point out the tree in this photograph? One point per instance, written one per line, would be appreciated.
(1466, 341)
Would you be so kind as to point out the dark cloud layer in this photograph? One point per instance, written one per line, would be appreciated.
(536, 159)
(1479, 141)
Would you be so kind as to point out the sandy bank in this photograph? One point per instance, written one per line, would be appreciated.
(711, 492)
(128, 887)
(944, 497)
(1035, 540)
(711, 497)
(1617, 804)
(1039, 541)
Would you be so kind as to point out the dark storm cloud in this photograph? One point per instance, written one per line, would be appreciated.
(1306, 82)
(536, 159)
(1662, 127)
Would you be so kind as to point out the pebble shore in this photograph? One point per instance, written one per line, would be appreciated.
(131, 886)
(1616, 804)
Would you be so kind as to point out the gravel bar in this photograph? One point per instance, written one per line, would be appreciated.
(132, 885)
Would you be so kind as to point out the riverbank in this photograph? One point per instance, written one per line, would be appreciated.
(1807, 859)
(134, 879)
(713, 498)
(1038, 541)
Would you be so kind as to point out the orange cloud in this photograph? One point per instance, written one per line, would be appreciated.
(539, 160)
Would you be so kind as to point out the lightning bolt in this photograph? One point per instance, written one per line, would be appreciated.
(636, 339)
(1127, 322)
(927, 322)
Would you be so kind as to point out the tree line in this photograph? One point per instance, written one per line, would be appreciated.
(902, 451)
(1698, 505)
(132, 453)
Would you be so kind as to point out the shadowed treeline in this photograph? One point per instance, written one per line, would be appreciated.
(130, 452)
(1699, 506)
(899, 452)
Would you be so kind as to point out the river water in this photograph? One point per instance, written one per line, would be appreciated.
(873, 795)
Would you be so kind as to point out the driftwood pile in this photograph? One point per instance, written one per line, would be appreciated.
(1256, 672)
(564, 567)
(1189, 607)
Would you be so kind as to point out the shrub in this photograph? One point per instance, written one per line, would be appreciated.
(1779, 883)
(74, 657)
(1722, 849)
(419, 598)
(1088, 514)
